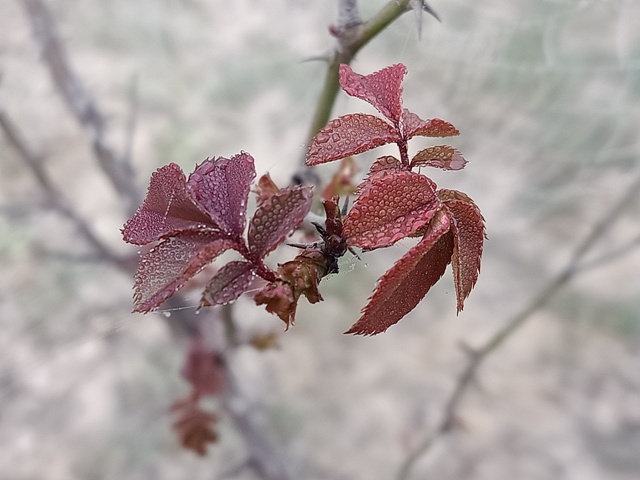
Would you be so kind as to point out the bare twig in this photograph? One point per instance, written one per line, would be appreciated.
(610, 256)
(477, 357)
(351, 35)
(265, 457)
(131, 123)
(84, 109)
(53, 196)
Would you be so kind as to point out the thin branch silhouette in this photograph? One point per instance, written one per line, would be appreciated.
(476, 357)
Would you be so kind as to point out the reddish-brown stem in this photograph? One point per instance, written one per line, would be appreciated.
(404, 152)
(266, 273)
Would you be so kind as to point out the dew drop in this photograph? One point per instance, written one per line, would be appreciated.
(166, 314)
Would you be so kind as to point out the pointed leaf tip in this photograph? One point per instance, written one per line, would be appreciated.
(221, 187)
(382, 89)
(413, 125)
(166, 210)
(467, 226)
(405, 284)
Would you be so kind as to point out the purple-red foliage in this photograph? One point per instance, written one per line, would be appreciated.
(394, 202)
(196, 219)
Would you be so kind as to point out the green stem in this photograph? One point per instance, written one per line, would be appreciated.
(347, 49)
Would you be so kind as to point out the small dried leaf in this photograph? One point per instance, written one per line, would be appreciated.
(166, 210)
(167, 267)
(402, 287)
(304, 274)
(467, 226)
(391, 207)
(342, 181)
(221, 186)
(439, 156)
(265, 188)
(382, 89)
(278, 299)
(349, 135)
(277, 217)
(413, 125)
(204, 369)
(297, 277)
(265, 341)
(228, 283)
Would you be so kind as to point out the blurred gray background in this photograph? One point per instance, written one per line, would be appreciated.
(546, 94)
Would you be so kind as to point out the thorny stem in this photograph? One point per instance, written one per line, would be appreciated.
(350, 41)
(478, 356)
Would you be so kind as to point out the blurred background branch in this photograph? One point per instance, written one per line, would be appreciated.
(477, 356)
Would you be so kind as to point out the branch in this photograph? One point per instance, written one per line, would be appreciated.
(351, 35)
(265, 457)
(79, 101)
(478, 356)
(54, 197)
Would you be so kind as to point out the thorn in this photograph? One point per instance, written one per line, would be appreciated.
(320, 228)
(430, 11)
(345, 207)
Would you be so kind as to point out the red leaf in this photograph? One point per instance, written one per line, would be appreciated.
(467, 226)
(385, 164)
(439, 156)
(413, 125)
(221, 188)
(265, 188)
(277, 217)
(382, 89)
(402, 287)
(391, 207)
(228, 283)
(168, 266)
(166, 210)
(204, 369)
(349, 135)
